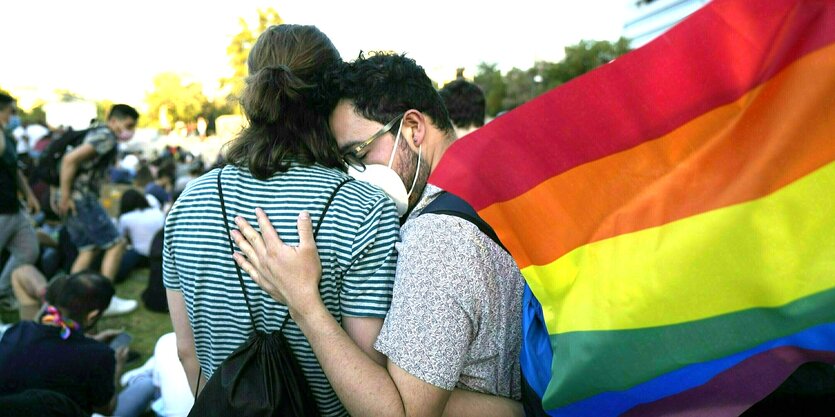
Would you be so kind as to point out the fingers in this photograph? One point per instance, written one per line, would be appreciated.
(246, 248)
(122, 353)
(305, 227)
(109, 333)
(252, 236)
(248, 267)
(271, 238)
(262, 282)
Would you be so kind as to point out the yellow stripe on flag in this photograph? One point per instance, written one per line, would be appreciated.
(762, 253)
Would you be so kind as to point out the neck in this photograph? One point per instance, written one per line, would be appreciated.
(57, 318)
(438, 151)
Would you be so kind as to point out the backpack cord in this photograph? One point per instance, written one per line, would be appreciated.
(232, 249)
(238, 269)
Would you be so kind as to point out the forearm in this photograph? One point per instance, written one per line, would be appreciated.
(186, 352)
(463, 403)
(117, 376)
(192, 367)
(364, 387)
(67, 174)
(23, 185)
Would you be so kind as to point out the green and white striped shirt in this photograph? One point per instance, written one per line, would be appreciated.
(356, 244)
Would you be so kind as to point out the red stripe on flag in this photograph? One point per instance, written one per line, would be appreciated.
(731, 47)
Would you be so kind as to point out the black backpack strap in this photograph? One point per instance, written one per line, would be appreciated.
(232, 248)
(328, 205)
(452, 205)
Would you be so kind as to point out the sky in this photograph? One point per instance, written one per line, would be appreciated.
(107, 50)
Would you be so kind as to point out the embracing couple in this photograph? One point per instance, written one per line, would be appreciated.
(384, 319)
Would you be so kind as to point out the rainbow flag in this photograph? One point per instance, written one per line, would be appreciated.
(674, 213)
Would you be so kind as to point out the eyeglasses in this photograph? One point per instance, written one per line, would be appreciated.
(352, 157)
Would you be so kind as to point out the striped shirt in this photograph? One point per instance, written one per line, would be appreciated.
(356, 244)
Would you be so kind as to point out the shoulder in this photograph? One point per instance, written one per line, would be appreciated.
(193, 199)
(442, 254)
(355, 199)
(93, 351)
(99, 133)
(94, 346)
(207, 180)
(199, 190)
(362, 196)
(441, 233)
(128, 217)
(18, 329)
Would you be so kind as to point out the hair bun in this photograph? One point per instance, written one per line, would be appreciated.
(269, 90)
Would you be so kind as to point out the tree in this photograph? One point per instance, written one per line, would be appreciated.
(489, 78)
(241, 44)
(582, 58)
(174, 99)
(213, 110)
(520, 87)
(34, 116)
(102, 108)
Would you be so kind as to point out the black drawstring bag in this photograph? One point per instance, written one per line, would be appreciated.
(262, 376)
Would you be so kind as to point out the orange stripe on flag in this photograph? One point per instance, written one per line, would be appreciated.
(770, 137)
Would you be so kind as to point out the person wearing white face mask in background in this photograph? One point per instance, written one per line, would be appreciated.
(452, 336)
(83, 169)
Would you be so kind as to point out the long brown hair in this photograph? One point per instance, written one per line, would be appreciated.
(288, 116)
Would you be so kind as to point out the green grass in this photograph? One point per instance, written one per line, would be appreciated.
(146, 326)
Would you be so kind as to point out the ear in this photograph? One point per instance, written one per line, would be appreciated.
(414, 128)
(92, 316)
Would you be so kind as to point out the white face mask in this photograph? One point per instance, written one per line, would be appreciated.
(385, 178)
(125, 135)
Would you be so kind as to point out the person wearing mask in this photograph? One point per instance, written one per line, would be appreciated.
(81, 175)
(453, 336)
(285, 161)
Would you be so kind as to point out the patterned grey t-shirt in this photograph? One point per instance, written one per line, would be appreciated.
(90, 175)
(456, 312)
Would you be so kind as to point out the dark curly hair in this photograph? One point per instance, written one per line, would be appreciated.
(465, 103)
(384, 85)
(283, 101)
